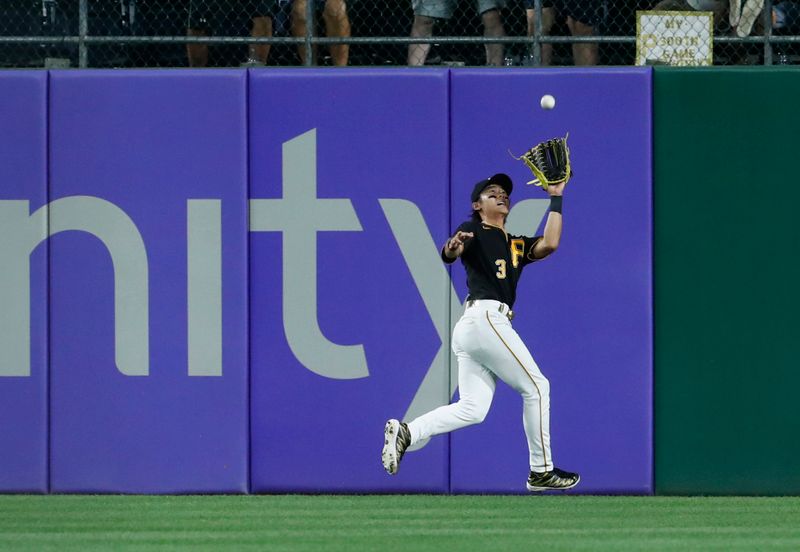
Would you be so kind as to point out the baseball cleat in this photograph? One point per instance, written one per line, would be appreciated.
(396, 439)
(556, 480)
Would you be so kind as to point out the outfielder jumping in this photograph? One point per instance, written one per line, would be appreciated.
(485, 343)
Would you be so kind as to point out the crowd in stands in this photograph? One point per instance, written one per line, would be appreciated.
(401, 18)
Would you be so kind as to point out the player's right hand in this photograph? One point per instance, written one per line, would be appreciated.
(455, 245)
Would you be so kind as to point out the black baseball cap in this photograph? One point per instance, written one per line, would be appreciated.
(501, 179)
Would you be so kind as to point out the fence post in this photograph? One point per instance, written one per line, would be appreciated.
(310, 12)
(83, 30)
(767, 14)
(537, 33)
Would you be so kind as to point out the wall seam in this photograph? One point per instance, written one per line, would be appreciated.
(653, 279)
(249, 377)
(449, 130)
(48, 338)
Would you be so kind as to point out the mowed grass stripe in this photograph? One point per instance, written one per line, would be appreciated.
(387, 522)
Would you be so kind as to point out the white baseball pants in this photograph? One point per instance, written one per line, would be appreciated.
(487, 348)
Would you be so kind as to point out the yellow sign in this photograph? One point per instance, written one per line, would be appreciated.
(674, 38)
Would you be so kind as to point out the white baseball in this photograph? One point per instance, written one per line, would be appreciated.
(547, 102)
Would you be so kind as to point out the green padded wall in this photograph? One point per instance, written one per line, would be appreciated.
(727, 229)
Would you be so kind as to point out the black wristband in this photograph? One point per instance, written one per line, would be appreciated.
(555, 204)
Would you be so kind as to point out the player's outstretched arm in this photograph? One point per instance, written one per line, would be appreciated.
(455, 245)
(552, 228)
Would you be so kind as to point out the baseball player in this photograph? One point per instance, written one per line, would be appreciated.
(485, 343)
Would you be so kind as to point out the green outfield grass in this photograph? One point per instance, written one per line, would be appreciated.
(417, 522)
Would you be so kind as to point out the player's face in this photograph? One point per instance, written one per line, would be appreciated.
(495, 200)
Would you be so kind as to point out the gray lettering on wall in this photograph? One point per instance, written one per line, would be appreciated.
(20, 234)
(299, 215)
(204, 286)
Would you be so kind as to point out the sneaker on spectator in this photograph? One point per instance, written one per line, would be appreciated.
(750, 12)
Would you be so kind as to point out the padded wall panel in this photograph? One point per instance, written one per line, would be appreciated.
(23, 282)
(349, 204)
(726, 282)
(148, 281)
(585, 313)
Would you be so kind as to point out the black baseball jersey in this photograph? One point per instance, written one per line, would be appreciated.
(494, 261)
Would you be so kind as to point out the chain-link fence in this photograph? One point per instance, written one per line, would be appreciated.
(228, 33)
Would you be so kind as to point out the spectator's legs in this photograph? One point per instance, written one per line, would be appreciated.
(197, 53)
(422, 27)
(584, 53)
(299, 26)
(262, 27)
(493, 26)
(548, 18)
(337, 24)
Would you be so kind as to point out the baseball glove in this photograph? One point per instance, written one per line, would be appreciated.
(549, 162)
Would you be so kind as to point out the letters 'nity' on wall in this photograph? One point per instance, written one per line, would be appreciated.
(218, 281)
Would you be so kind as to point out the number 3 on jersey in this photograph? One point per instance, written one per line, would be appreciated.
(501, 269)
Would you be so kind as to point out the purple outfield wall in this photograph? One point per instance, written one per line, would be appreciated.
(23, 290)
(245, 279)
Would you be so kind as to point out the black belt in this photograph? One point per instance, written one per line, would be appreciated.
(502, 307)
